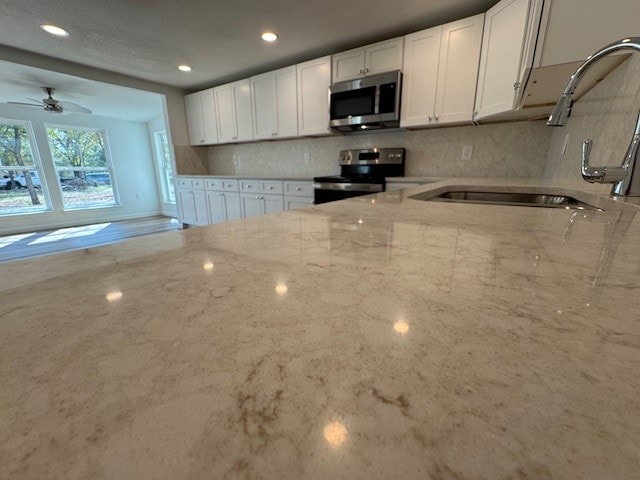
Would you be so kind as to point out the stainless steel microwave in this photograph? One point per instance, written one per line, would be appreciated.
(366, 103)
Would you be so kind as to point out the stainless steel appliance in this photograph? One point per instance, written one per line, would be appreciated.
(366, 103)
(361, 172)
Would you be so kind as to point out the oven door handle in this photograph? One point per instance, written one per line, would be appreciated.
(349, 187)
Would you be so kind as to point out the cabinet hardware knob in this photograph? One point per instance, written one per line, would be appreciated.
(360, 71)
(437, 118)
(516, 85)
(366, 70)
(270, 188)
(430, 118)
(298, 189)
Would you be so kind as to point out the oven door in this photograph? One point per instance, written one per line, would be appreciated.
(324, 192)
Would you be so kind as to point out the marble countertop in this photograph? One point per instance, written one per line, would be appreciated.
(377, 337)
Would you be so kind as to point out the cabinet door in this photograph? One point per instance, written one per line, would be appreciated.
(505, 28)
(384, 56)
(232, 208)
(201, 209)
(348, 65)
(458, 70)
(291, 203)
(193, 108)
(286, 103)
(225, 113)
(263, 92)
(272, 203)
(251, 205)
(215, 202)
(314, 78)
(210, 125)
(420, 77)
(187, 204)
(243, 110)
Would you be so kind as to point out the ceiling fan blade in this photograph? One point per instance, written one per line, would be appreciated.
(74, 107)
(34, 100)
(25, 104)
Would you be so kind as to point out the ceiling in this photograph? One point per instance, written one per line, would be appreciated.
(220, 39)
(18, 83)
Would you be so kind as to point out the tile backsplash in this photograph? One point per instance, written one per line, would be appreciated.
(514, 150)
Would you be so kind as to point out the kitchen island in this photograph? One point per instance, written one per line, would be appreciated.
(376, 337)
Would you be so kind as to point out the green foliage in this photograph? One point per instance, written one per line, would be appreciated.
(76, 148)
(10, 156)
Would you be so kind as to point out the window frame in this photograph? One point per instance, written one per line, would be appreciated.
(37, 167)
(160, 160)
(109, 159)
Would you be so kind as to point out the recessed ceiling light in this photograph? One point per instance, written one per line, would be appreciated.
(54, 30)
(269, 36)
(184, 68)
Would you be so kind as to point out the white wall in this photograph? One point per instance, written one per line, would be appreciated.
(132, 163)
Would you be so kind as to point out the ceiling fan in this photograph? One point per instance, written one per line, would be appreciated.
(52, 105)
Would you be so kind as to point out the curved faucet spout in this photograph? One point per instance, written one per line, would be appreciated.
(626, 177)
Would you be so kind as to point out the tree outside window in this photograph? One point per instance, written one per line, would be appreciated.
(21, 185)
(83, 167)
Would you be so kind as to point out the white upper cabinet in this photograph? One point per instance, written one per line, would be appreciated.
(275, 109)
(233, 112)
(420, 77)
(201, 117)
(458, 70)
(505, 29)
(440, 73)
(531, 47)
(376, 58)
(314, 78)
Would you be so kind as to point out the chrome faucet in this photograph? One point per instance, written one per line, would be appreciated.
(626, 177)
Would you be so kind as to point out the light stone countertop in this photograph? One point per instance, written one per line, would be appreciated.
(377, 337)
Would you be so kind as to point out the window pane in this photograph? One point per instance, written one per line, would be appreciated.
(83, 167)
(165, 167)
(21, 188)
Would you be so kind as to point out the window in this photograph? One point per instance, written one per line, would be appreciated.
(83, 166)
(165, 169)
(21, 180)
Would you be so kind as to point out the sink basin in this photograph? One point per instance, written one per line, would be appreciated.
(507, 198)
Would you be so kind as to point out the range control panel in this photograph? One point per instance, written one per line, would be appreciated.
(372, 156)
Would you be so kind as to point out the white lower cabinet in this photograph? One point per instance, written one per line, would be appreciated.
(211, 200)
(297, 194)
(254, 205)
(193, 206)
(223, 206)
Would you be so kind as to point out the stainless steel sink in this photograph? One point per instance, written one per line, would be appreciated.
(507, 198)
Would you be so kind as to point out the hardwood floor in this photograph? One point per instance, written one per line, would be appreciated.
(25, 245)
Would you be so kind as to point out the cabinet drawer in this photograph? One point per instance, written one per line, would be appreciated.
(293, 202)
(299, 189)
(230, 184)
(249, 186)
(190, 182)
(271, 186)
(213, 183)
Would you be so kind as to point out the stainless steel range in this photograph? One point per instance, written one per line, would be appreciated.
(361, 172)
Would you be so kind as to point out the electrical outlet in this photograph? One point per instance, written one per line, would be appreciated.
(307, 157)
(139, 196)
(467, 152)
(235, 159)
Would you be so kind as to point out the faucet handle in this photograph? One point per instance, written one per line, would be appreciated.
(599, 174)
